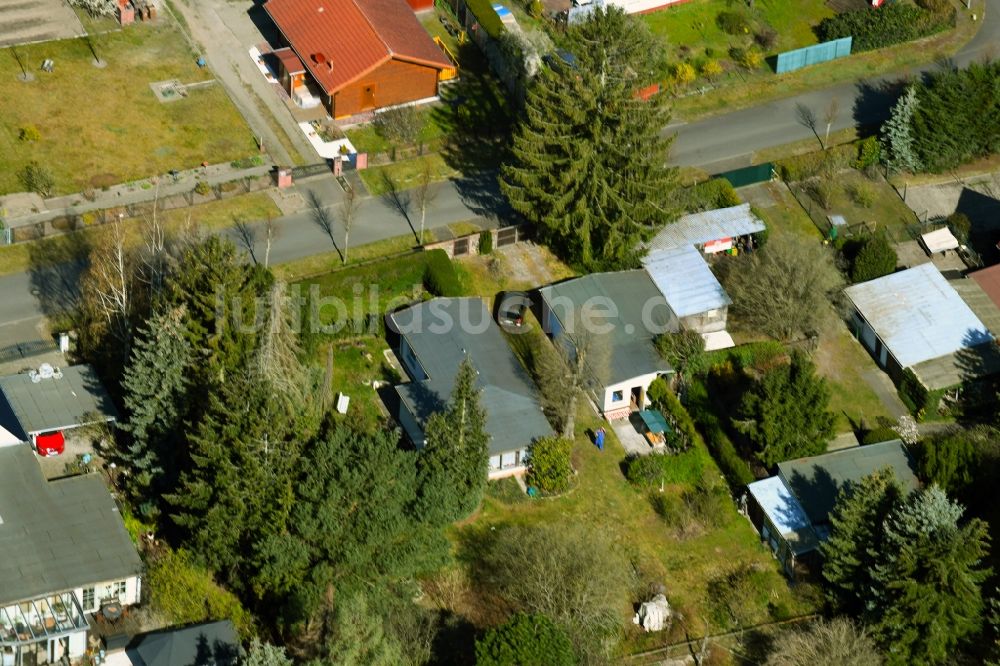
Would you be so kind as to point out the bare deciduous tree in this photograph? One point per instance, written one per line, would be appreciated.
(269, 234)
(111, 282)
(247, 236)
(784, 289)
(579, 357)
(277, 355)
(348, 211)
(829, 116)
(807, 118)
(424, 195)
(835, 641)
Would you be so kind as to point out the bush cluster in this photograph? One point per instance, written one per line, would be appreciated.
(878, 28)
(440, 277)
(716, 193)
(879, 435)
(733, 23)
(656, 468)
(875, 259)
(733, 467)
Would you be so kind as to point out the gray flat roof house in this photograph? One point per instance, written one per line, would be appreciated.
(202, 644)
(791, 510)
(435, 337)
(633, 311)
(53, 399)
(64, 551)
(914, 319)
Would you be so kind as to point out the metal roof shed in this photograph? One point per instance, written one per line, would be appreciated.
(684, 278)
(785, 513)
(918, 315)
(710, 225)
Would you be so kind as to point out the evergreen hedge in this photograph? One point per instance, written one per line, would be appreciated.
(889, 24)
(440, 277)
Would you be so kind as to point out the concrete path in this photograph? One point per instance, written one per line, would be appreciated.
(886, 391)
(729, 140)
(206, 23)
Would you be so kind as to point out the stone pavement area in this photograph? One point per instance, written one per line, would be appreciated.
(29, 21)
(977, 197)
(631, 439)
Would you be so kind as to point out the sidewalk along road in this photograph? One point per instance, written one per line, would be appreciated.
(728, 141)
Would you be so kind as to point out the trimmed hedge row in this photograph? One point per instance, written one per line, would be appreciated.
(733, 467)
(440, 277)
(916, 397)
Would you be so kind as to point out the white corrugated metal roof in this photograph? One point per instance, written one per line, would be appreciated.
(785, 513)
(683, 277)
(918, 315)
(700, 228)
(940, 240)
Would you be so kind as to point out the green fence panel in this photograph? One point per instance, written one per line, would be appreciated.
(789, 61)
(750, 175)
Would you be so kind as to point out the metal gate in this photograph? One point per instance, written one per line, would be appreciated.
(460, 247)
(506, 236)
(750, 175)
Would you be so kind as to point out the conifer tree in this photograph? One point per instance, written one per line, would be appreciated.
(897, 135)
(589, 162)
(930, 580)
(454, 463)
(854, 548)
(154, 387)
(786, 413)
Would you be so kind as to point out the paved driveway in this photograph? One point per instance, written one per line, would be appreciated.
(27, 21)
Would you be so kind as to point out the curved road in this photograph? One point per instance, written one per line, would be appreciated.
(728, 141)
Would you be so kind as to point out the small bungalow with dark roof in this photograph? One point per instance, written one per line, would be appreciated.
(42, 404)
(362, 55)
(434, 338)
(203, 644)
(65, 555)
(626, 312)
(791, 511)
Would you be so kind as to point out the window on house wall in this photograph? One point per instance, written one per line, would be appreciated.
(87, 601)
(120, 588)
(617, 396)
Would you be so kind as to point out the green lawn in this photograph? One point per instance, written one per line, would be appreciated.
(693, 25)
(101, 126)
(407, 174)
(786, 215)
(356, 364)
(841, 359)
(887, 211)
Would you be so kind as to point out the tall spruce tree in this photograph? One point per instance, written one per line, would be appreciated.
(897, 135)
(238, 488)
(855, 546)
(930, 579)
(589, 162)
(154, 387)
(786, 413)
(453, 465)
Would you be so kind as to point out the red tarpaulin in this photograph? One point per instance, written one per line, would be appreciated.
(50, 444)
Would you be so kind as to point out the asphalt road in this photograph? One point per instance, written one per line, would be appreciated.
(717, 143)
(727, 141)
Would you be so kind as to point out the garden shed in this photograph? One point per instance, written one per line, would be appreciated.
(690, 288)
(711, 230)
(914, 319)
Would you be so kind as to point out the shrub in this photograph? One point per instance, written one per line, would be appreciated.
(879, 435)
(528, 640)
(186, 593)
(733, 23)
(821, 191)
(248, 162)
(549, 468)
(29, 134)
(440, 277)
(739, 597)
(651, 470)
(735, 469)
(684, 350)
(863, 194)
(400, 126)
(716, 193)
(869, 153)
(665, 400)
(694, 510)
(536, 8)
(960, 225)
(875, 259)
(890, 24)
(751, 58)
(916, 397)
(683, 74)
(766, 37)
(485, 242)
(38, 179)
(710, 68)
(202, 188)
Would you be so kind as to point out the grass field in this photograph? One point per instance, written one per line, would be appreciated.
(356, 364)
(210, 216)
(886, 212)
(101, 126)
(405, 175)
(691, 27)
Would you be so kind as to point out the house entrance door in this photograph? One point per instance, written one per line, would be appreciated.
(368, 97)
(637, 398)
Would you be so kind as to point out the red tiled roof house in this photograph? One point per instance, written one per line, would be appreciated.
(362, 54)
